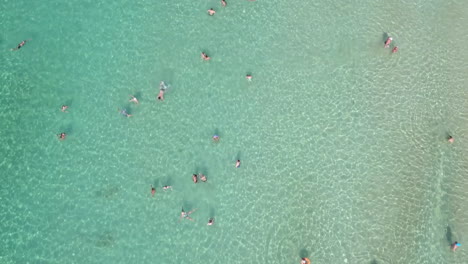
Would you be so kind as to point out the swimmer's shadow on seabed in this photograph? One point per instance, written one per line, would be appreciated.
(385, 37)
(448, 235)
(374, 261)
(303, 253)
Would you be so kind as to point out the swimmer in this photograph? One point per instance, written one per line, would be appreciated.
(211, 11)
(223, 3)
(248, 77)
(124, 112)
(395, 49)
(167, 188)
(162, 90)
(451, 139)
(238, 164)
(202, 177)
(183, 214)
(61, 136)
(305, 261)
(194, 178)
(455, 245)
(215, 138)
(210, 221)
(153, 190)
(387, 42)
(133, 99)
(64, 109)
(21, 44)
(205, 57)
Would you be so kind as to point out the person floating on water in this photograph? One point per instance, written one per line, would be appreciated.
(223, 3)
(153, 190)
(205, 57)
(167, 188)
(395, 49)
(210, 221)
(62, 136)
(237, 163)
(211, 11)
(133, 99)
(64, 109)
(21, 44)
(162, 90)
(202, 177)
(195, 178)
(183, 214)
(248, 77)
(215, 138)
(124, 112)
(450, 139)
(387, 42)
(305, 261)
(455, 245)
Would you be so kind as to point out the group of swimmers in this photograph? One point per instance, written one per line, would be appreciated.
(387, 45)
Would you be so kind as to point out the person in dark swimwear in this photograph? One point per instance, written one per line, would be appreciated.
(153, 190)
(210, 221)
(202, 177)
(64, 109)
(183, 214)
(387, 42)
(205, 57)
(21, 44)
(62, 136)
(194, 178)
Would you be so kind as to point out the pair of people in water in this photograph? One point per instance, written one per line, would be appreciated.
(153, 190)
(211, 11)
(387, 45)
(186, 215)
(202, 178)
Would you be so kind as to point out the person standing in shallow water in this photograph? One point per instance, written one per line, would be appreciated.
(211, 12)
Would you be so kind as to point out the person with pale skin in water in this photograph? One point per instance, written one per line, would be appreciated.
(450, 139)
(455, 245)
(237, 163)
(195, 178)
(133, 99)
(64, 109)
(210, 221)
(202, 177)
(387, 42)
(21, 44)
(62, 136)
(167, 187)
(205, 57)
(183, 214)
(223, 3)
(211, 12)
(248, 77)
(153, 190)
(395, 49)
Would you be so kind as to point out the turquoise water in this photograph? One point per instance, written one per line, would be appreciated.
(344, 157)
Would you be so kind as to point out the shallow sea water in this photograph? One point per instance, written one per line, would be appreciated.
(343, 145)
